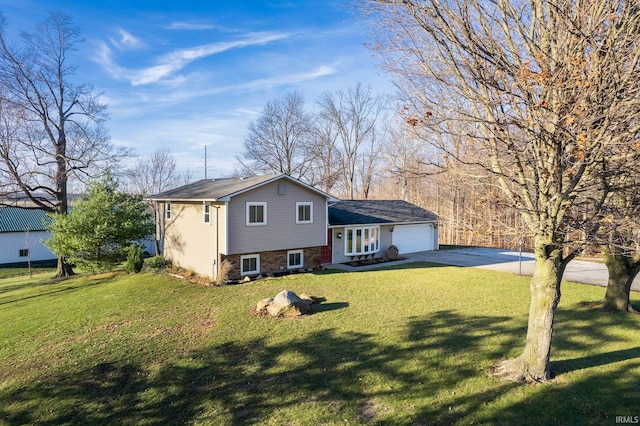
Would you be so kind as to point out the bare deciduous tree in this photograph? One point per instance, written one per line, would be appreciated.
(403, 156)
(327, 169)
(621, 255)
(543, 91)
(618, 232)
(353, 118)
(280, 139)
(152, 175)
(53, 130)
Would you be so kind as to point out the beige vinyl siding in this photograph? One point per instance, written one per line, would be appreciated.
(190, 243)
(281, 231)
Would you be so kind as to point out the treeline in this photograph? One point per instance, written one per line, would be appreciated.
(355, 145)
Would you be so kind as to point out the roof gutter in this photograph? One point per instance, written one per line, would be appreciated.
(185, 200)
(383, 223)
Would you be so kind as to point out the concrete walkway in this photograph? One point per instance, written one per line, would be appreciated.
(579, 271)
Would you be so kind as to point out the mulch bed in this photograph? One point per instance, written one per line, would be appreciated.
(374, 261)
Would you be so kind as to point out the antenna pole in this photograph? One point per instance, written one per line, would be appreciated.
(205, 161)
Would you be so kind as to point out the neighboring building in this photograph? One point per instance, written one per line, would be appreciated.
(260, 224)
(21, 234)
(367, 228)
(276, 223)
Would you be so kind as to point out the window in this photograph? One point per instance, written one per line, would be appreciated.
(167, 210)
(362, 240)
(256, 214)
(295, 259)
(24, 252)
(250, 264)
(304, 212)
(206, 213)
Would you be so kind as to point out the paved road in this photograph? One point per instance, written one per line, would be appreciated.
(508, 261)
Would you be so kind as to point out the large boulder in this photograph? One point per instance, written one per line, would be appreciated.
(392, 253)
(287, 304)
(262, 305)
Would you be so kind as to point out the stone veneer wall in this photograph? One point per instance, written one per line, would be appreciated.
(274, 261)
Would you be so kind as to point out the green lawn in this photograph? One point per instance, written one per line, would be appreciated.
(413, 345)
(18, 271)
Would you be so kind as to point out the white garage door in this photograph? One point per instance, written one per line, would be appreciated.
(413, 238)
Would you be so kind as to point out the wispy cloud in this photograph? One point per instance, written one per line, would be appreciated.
(258, 84)
(170, 64)
(138, 103)
(180, 96)
(194, 131)
(192, 26)
(104, 57)
(321, 71)
(127, 40)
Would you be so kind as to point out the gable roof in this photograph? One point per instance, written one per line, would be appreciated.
(361, 212)
(16, 219)
(223, 189)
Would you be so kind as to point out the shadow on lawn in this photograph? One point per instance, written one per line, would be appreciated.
(29, 283)
(587, 331)
(418, 264)
(587, 390)
(349, 374)
(326, 307)
(596, 360)
(59, 288)
(596, 398)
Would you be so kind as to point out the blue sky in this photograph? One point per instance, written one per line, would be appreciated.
(182, 75)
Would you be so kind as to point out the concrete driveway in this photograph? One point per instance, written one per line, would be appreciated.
(509, 261)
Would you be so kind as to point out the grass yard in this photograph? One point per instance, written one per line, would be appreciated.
(18, 271)
(411, 345)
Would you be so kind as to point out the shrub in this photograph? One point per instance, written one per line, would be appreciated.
(135, 259)
(156, 263)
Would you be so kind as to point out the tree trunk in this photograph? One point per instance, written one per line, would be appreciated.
(622, 272)
(533, 364)
(64, 269)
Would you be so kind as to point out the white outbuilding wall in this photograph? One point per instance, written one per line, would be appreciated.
(11, 243)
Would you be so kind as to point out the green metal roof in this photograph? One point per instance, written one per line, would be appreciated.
(16, 219)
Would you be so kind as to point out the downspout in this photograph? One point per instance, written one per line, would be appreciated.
(226, 227)
(159, 234)
(326, 227)
(216, 262)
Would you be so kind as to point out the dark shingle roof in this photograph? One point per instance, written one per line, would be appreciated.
(360, 212)
(211, 189)
(220, 189)
(15, 219)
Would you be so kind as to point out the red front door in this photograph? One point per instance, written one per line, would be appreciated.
(325, 251)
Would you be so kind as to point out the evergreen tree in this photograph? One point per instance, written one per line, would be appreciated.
(100, 227)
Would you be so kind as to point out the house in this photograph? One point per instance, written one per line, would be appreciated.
(274, 223)
(21, 234)
(259, 224)
(367, 228)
